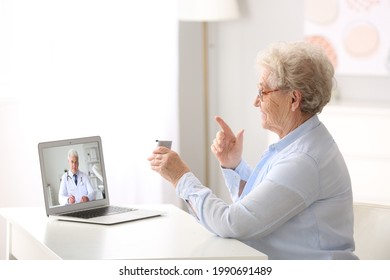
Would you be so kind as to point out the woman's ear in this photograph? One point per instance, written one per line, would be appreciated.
(296, 99)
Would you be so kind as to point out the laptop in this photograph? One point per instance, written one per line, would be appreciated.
(85, 198)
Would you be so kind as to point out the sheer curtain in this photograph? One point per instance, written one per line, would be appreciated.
(87, 67)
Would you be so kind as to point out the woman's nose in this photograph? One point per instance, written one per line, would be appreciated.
(257, 102)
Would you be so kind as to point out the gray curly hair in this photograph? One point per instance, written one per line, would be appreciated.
(300, 66)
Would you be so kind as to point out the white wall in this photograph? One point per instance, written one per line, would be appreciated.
(359, 130)
(191, 110)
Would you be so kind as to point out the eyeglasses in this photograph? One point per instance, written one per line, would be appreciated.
(265, 92)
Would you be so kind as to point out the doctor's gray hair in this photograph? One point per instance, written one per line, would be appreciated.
(303, 67)
(73, 153)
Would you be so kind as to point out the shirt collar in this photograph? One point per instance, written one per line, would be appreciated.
(296, 133)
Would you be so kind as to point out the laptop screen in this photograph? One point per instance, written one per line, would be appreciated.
(73, 174)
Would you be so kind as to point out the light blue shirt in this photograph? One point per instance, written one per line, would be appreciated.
(297, 203)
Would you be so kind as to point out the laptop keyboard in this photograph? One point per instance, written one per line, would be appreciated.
(98, 212)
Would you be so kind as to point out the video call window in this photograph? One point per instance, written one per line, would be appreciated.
(58, 168)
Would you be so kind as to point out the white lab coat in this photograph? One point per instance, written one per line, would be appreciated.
(68, 187)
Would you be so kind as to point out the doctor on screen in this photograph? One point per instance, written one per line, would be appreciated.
(75, 186)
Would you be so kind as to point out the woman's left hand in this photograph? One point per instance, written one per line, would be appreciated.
(169, 164)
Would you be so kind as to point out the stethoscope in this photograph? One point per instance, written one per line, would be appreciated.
(68, 177)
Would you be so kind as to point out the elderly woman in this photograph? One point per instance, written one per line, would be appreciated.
(297, 202)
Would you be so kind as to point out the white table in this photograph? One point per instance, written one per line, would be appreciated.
(175, 235)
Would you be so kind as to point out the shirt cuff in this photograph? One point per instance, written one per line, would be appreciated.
(189, 188)
(233, 178)
(187, 184)
(244, 170)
